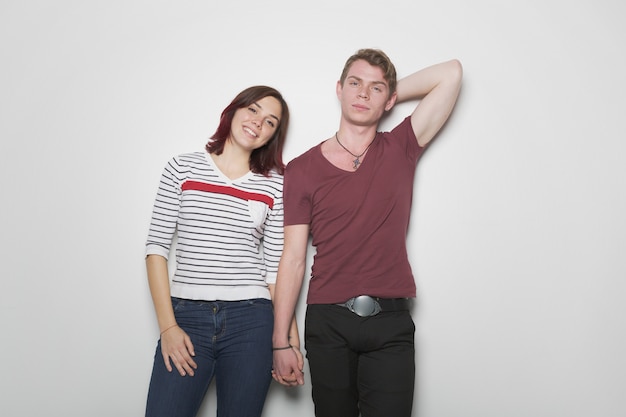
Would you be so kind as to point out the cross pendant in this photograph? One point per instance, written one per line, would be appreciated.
(356, 163)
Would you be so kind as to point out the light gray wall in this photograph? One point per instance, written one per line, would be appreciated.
(518, 234)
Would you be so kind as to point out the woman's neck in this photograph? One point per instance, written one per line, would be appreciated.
(232, 163)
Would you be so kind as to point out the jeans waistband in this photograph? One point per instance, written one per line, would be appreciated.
(366, 306)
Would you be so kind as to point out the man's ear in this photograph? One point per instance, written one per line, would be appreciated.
(391, 102)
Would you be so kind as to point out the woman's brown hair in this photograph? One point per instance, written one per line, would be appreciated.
(270, 155)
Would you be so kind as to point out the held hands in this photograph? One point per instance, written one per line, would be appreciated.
(176, 347)
(288, 366)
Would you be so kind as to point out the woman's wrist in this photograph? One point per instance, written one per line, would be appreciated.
(282, 347)
(169, 327)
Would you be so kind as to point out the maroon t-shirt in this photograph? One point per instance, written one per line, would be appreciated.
(358, 220)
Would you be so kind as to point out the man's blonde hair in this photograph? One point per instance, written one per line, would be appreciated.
(376, 58)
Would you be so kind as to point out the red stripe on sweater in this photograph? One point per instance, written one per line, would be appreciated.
(222, 189)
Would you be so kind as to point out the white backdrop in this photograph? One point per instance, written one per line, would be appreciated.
(518, 233)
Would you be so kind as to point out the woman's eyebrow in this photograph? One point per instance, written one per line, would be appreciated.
(271, 115)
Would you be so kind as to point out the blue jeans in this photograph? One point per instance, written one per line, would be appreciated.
(233, 342)
(360, 366)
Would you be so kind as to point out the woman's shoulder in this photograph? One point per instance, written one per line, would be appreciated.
(188, 159)
(272, 177)
(198, 157)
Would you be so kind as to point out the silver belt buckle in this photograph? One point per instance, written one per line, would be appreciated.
(363, 306)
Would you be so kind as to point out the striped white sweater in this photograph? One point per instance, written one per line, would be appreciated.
(229, 232)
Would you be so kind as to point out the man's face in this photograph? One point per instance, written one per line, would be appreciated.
(364, 95)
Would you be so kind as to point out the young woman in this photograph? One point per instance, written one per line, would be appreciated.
(224, 206)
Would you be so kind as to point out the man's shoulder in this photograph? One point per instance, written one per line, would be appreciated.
(403, 128)
(305, 158)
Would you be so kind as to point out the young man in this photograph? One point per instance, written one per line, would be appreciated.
(352, 193)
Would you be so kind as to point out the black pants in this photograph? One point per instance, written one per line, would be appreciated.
(360, 364)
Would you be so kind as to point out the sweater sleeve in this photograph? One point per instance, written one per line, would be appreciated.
(165, 211)
(273, 239)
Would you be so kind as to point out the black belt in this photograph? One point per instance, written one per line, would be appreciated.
(365, 306)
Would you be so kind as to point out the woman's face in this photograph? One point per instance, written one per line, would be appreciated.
(253, 126)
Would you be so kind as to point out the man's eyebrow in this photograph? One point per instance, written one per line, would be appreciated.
(260, 107)
(361, 80)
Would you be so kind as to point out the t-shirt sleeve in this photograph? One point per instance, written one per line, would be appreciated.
(296, 198)
(403, 133)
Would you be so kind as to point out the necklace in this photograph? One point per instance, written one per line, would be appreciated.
(357, 158)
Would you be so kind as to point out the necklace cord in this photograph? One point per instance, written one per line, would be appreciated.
(357, 161)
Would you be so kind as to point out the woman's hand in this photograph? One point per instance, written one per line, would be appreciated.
(176, 347)
(288, 367)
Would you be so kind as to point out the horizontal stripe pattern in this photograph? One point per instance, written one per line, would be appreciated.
(228, 234)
